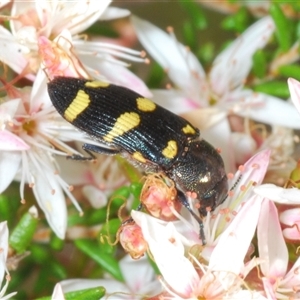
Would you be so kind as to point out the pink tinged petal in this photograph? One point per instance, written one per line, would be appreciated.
(291, 217)
(258, 165)
(112, 13)
(272, 251)
(11, 142)
(294, 87)
(266, 109)
(58, 293)
(51, 200)
(3, 248)
(292, 233)
(9, 165)
(253, 171)
(278, 194)
(181, 64)
(230, 252)
(96, 197)
(58, 56)
(269, 288)
(231, 67)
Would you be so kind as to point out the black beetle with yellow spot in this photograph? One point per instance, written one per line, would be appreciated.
(145, 133)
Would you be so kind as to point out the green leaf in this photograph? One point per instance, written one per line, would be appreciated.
(155, 76)
(284, 30)
(86, 294)
(259, 64)
(206, 53)
(120, 195)
(290, 71)
(189, 35)
(56, 243)
(102, 28)
(111, 227)
(39, 253)
(23, 233)
(274, 88)
(135, 189)
(106, 261)
(195, 14)
(6, 211)
(238, 22)
(131, 172)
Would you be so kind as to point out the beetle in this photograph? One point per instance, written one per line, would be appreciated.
(146, 134)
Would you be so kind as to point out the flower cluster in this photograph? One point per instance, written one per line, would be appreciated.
(250, 249)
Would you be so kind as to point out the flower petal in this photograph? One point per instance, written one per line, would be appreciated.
(58, 293)
(9, 165)
(231, 67)
(294, 87)
(278, 194)
(139, 276)
(12, 52)
(233, 244)
(290, 216)
(166, 249)
(3, 248)
(51, 200)
(11, 142)
(272, 251)
(112, 13)
(266, 109)
(182, 66)
(96, 197)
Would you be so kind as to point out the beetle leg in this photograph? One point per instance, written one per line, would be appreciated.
(89, 148)
(183, 200)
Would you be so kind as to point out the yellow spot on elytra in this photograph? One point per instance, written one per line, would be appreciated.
(77, 106)
(171, 150)
(96, 84)
(138, 156)
(188, 129)
(123, 124)
(145, 104)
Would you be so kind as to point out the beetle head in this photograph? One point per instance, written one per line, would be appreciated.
(201, 170)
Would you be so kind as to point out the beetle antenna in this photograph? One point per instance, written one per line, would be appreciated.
(233, 187)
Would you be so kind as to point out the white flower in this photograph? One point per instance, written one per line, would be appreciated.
(61, 22)
(279, 283)
(29, 131)
(186, 277)
(220, 92)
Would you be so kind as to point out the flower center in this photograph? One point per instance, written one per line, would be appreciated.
(29, 127)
